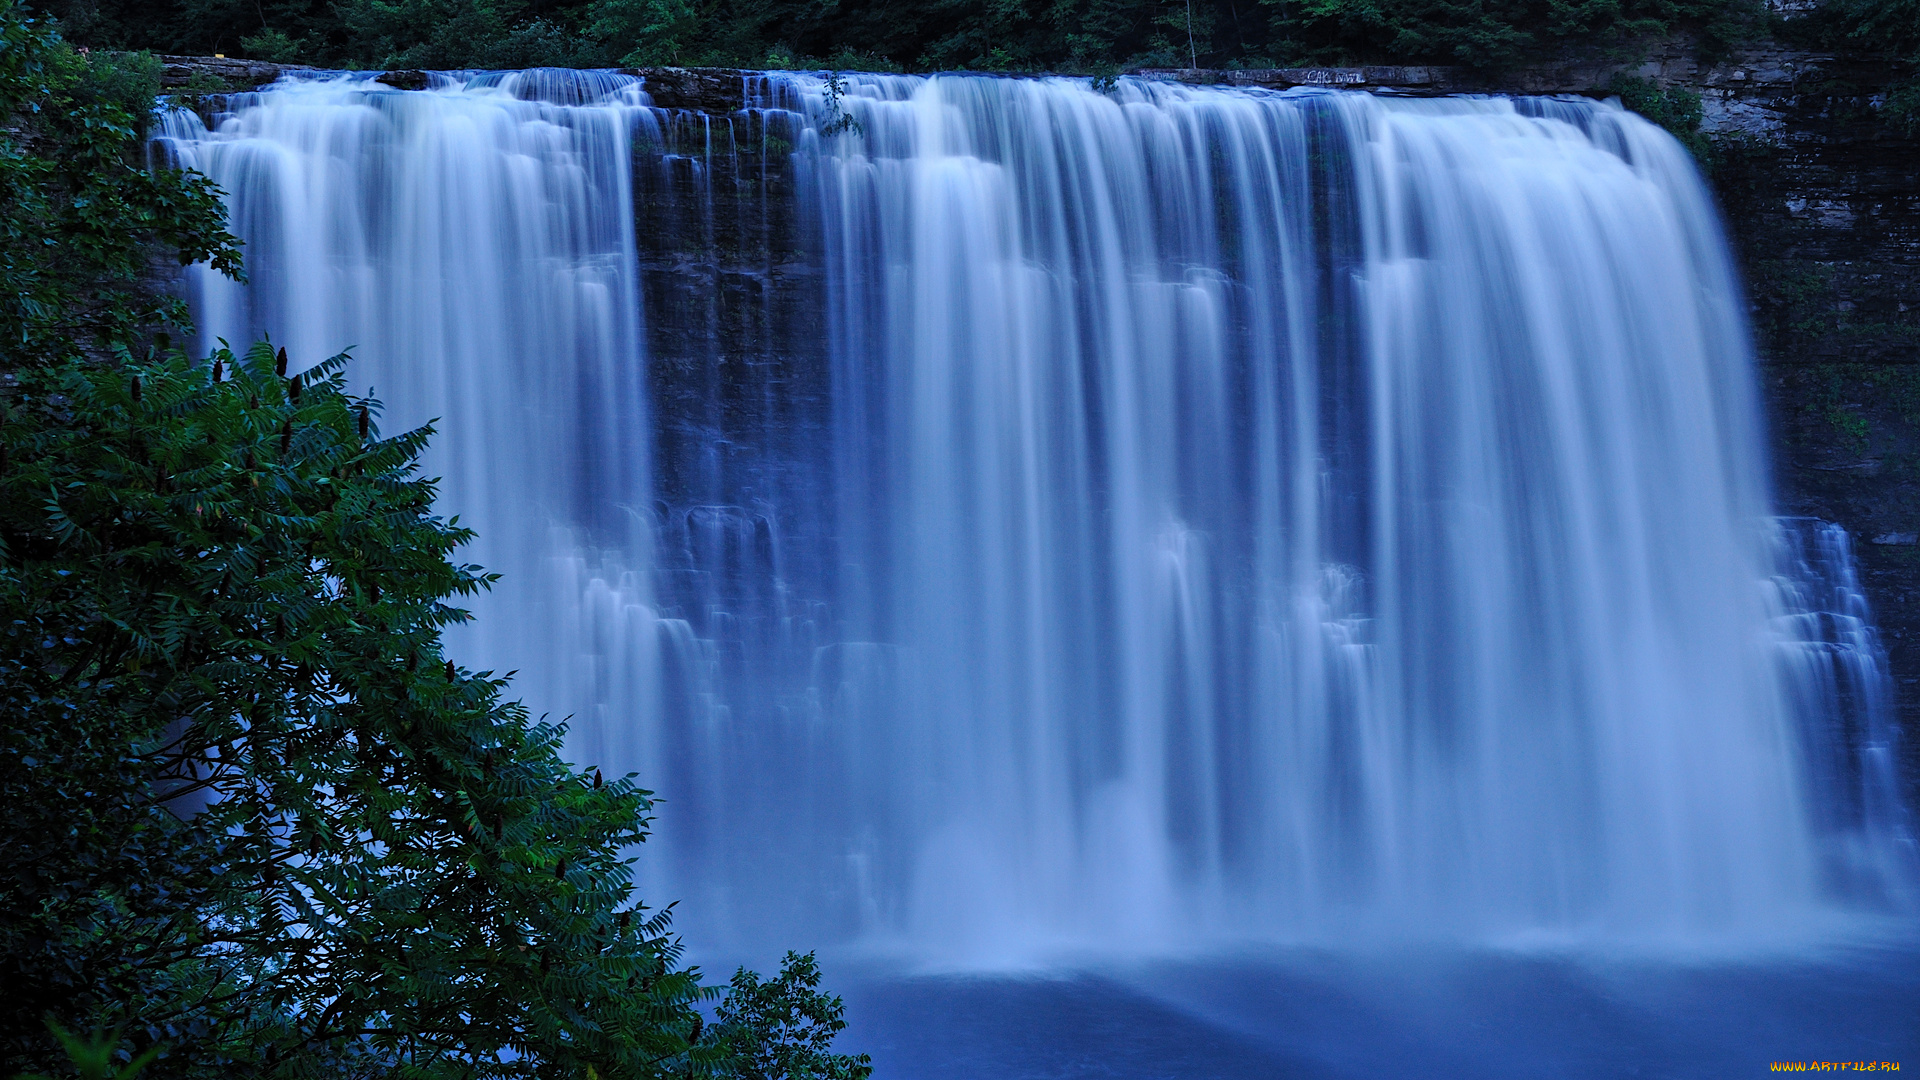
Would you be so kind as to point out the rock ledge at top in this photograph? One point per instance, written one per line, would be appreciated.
(1748, 93)
(709, 90)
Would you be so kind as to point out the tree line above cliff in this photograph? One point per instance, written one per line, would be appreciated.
(1085, 36)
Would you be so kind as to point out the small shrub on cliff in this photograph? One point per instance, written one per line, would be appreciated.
(1676, 109)
(1886, 27)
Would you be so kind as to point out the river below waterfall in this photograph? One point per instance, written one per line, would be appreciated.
(1018, 517)
(1320, 1014)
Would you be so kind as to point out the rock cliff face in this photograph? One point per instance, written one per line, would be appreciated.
(1822, 201)
(737, 335)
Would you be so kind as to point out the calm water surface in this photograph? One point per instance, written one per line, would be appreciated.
(1411, 1013)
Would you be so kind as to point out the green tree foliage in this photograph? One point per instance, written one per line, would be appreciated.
(99, 1057)
(457, 34)
(784, 1027)
(644, 32)
(1503, 33)
(1674, 108)
(82, 216)
(1091, 36)
(261, 811)
(1888, 29)
(253, 816)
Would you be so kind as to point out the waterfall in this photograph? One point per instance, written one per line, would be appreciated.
(474, 248)
(1195, 514)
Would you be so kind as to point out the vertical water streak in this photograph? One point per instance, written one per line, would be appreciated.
(1076, 405)
(1835, 669)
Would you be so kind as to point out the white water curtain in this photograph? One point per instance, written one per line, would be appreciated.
(1254, 515)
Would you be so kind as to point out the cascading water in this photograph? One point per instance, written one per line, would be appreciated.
(474, 248)
(1291, 505)
(1224, 513)
(1836, 674)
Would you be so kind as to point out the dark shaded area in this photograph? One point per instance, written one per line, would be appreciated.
(1087, 36)
(1825, 221)
(739, 382)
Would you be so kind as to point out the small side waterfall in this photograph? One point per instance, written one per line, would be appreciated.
(1836, 674)
(1210, 514)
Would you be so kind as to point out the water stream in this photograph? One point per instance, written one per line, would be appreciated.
(1199, 516)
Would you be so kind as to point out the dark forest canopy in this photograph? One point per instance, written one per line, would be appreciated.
(1086, 36)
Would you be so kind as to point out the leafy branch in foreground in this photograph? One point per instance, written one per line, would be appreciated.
(251, 814)
(255, 805)
(784, 1027)
(97, 1056)
(83, 217)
